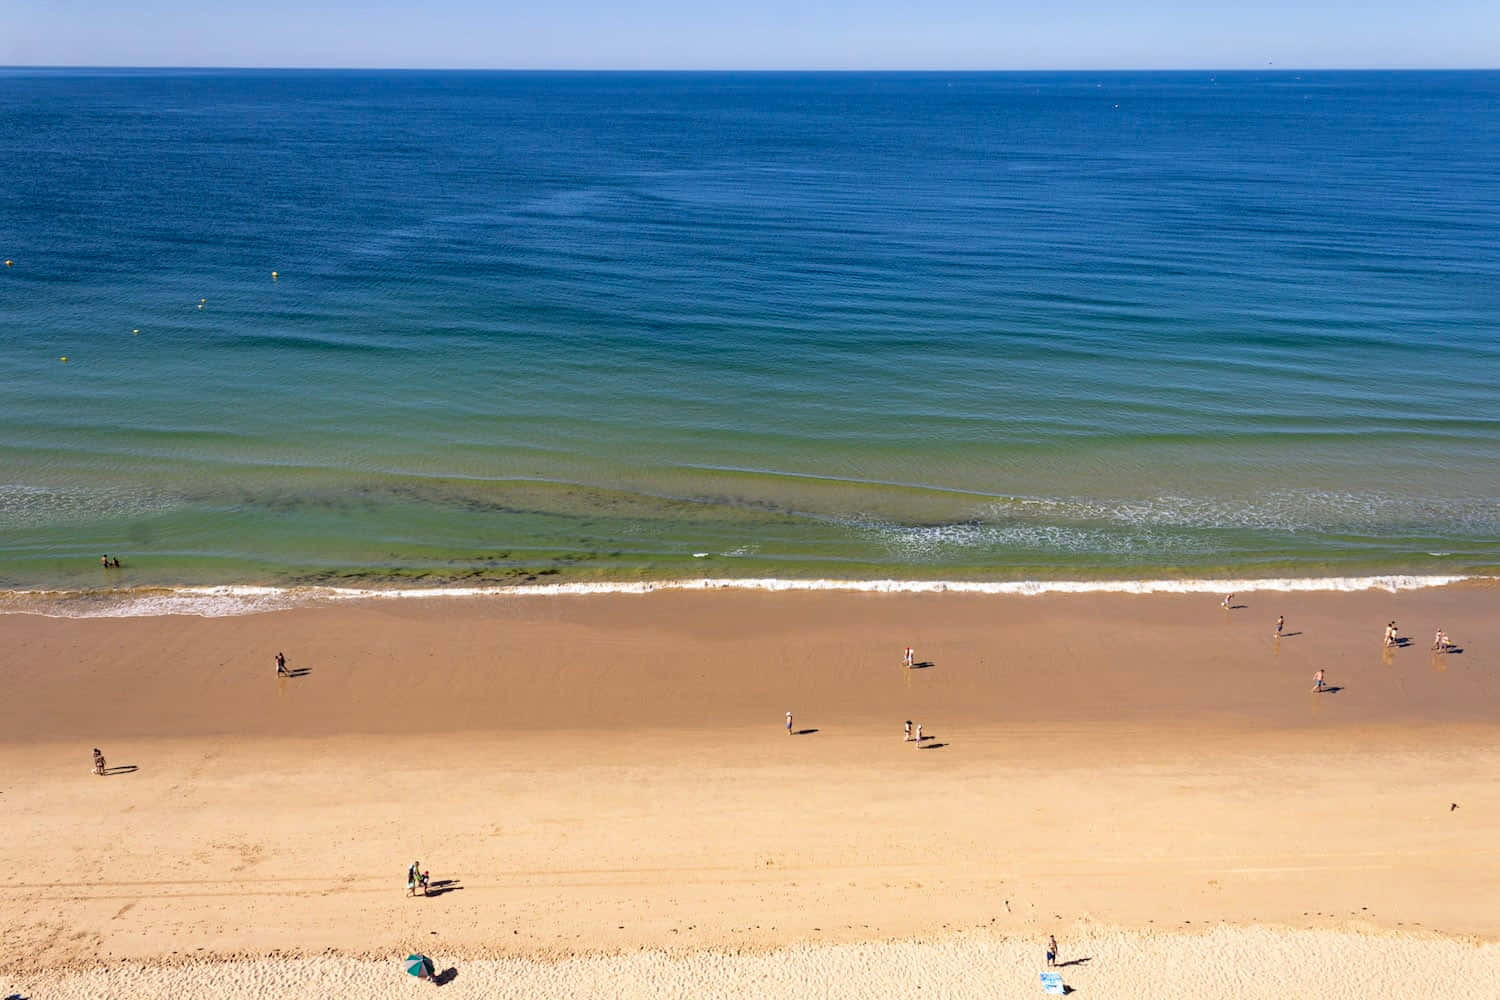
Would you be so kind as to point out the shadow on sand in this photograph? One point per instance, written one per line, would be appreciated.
(441, 886)
(122, 769)
(804, 732)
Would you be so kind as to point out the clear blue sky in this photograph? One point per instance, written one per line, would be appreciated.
(757, 34)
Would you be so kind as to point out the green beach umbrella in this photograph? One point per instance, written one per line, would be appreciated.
(419, 966)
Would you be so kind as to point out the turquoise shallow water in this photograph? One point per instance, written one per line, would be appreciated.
(639, 326)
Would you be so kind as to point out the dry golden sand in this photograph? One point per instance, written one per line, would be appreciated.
(606, 782)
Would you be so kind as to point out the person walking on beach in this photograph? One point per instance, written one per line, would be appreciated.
(920, 737)
(1280, 624)
(98, 761)
(1390, 634)
(1318, 682)
(424, 881)
(1228, 600)
(907, 738)
(909, 658)
(281, 670)
(1051, 951)
(411, 878)
(789, 723)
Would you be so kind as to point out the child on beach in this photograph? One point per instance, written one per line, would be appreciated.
(1441, 642)
(1390, 634)
(789, 723)
(98, 761)
(424, 880)
(909, 658)
(1228, 600)
(1280, 624)
(908, 731)
(1318, 682)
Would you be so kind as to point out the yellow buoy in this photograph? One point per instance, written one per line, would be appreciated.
(63, 359)
(135, 332)
(275, 276)
(10, 263)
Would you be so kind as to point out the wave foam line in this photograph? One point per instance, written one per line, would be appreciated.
(224, 601)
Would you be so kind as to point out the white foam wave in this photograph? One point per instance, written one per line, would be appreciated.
(224, 601)
(932, 542)
(1272, 510)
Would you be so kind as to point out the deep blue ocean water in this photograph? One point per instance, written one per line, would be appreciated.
(532, 326)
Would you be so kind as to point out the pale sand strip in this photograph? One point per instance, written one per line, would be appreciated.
(1255, 963)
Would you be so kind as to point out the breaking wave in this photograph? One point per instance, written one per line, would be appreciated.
(224, 601)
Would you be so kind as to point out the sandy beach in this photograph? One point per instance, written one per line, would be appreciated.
(607, 800)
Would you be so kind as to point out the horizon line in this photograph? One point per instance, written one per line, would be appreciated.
(752, 70)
